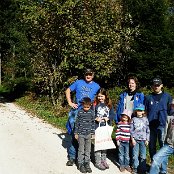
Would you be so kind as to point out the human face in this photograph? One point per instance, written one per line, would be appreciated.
(89, 77)
(132, 85)
(101, 98)
(124, 118)
(140, 113)
(86, 107)
(157, 88)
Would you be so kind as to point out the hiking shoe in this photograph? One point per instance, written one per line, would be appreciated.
(100, 166)
(88, 168)
(70, 162)
(122, 169)
(105, 164)
(82, 169)
(134, 171)
(128, 169)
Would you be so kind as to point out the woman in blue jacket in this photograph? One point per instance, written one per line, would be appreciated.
(130, 98)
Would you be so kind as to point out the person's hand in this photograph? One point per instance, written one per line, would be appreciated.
(98, 119)
(73, 105)
(133, 142)
(106, 118)
(146, 143)
(76, 136)
(92, 137)
(118, 143)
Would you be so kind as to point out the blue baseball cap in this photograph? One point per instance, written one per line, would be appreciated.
(140, 107)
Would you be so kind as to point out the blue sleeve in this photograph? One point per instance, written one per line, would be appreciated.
(73, 86)
(111, 114)
(169, 104)
(76, 130)
(119, 108)
(142, 98)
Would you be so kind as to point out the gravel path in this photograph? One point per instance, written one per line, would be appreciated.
(30, 146)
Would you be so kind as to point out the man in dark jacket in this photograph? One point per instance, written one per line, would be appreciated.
(157, 107)
(168, 148)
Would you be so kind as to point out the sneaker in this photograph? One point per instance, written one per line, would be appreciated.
(82, 168)
(105, 164)
(100, 166)
(88, 168)
(134, 171)
(122, 169)
(70, 162)
(128, 169)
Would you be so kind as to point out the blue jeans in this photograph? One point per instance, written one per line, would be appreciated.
(72, 150)
(139, 152)
(124, 154)
(157, 133)
(161, 156)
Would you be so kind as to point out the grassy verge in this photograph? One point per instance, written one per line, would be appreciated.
(56, 116)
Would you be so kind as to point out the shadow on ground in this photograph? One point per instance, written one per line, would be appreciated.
(112, 154)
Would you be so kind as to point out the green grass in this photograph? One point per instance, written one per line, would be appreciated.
(44, 110)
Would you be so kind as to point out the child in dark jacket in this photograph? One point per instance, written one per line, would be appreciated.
(84, 131)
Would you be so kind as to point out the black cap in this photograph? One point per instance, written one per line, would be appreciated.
(157, 81)
(89, 71)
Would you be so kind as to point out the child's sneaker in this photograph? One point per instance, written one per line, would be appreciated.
(70, 162)
(82, 168)
(134, 171)
(88, 168)
(105, 164)
(100, 166)
(128, 169)
(122, 169)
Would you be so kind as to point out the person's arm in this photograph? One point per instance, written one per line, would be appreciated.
(132, 132)
(142, 98)
(76, 130)
(119, 108)
(68, 97)
(93, 125)
(147, 133)
(111, 114)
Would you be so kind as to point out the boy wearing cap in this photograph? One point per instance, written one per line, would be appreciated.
(139, 129)
(157, 105)
(123, 138)
(83, 88)
(168, 148)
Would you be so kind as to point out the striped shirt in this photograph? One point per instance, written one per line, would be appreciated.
(123, 132)
(85, 122)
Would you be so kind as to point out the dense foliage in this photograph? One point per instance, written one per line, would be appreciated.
(46, 44)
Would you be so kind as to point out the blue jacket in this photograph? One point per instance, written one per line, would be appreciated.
(138, 99)
(157, 111)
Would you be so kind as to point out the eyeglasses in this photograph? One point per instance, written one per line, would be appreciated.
(88, 74)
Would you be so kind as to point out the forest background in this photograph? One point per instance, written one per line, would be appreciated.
(45, 45)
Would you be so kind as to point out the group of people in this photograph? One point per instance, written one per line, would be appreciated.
(141, 121)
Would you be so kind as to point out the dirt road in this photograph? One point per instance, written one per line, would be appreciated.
(28, 145)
